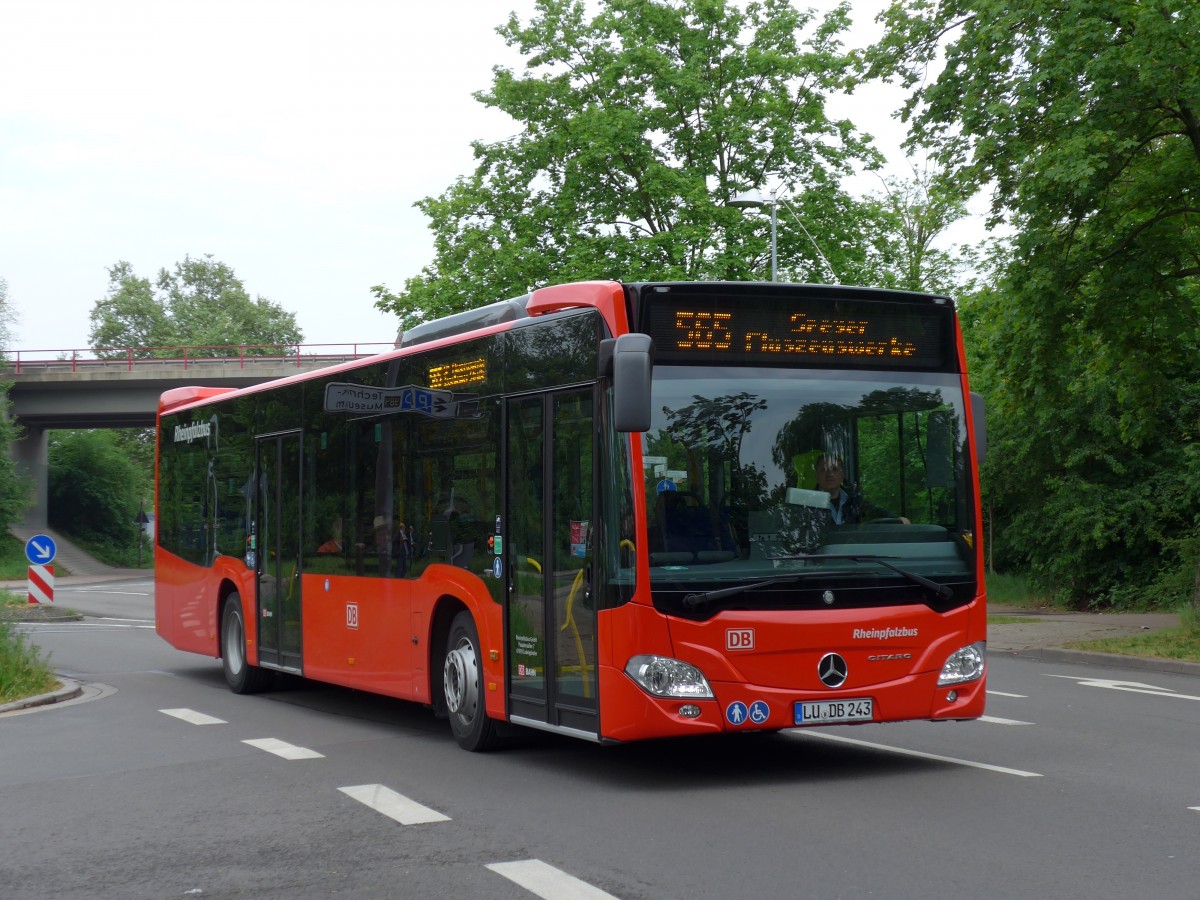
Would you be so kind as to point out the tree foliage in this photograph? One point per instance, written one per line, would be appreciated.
(8, 316)
(908, 216)
(201, 303)
(1081, 119)
(94, 487)
(14, 487)
(638, 125)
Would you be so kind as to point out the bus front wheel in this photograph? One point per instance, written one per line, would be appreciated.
(461, 680)
(241, 677)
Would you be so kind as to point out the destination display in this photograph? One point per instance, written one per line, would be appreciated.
(775, 329)
(341, 397)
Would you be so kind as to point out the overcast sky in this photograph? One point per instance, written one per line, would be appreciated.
(287, 139)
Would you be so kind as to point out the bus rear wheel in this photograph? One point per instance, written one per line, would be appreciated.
(241, 677)
(461, 680)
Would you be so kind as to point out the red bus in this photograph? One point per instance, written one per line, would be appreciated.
(612, 511)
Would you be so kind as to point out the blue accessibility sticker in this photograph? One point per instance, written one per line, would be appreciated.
(759, 712)
(736, 713)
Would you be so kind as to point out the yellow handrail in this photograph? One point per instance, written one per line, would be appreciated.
(570, 620)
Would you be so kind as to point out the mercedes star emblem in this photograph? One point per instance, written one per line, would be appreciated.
(832, 670)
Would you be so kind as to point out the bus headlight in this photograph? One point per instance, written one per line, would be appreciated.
(666, 677)
(964, 665)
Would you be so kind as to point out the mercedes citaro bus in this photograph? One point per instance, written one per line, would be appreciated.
(612, 511)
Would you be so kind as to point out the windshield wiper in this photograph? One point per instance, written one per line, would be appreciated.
(940, 590)
(691, 601)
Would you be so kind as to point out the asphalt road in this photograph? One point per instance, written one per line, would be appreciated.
(158, 782)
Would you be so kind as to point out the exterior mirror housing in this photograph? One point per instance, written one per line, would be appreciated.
(979, 418)
(632, 360)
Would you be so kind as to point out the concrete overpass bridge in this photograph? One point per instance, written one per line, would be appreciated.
(54, 389)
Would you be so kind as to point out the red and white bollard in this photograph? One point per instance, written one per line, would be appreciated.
(41, 584)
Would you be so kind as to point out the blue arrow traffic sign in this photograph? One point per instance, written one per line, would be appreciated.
(40, 549)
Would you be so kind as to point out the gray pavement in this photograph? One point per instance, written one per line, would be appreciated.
(1042, 633)
(1049, 634)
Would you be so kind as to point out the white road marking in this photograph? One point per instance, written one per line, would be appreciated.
(996, 720)
(1003, 770)
(394, 806)
(548, 882)
(58, 627)
(1133, 687)
(284, 749)
(196, 718)
(118, 593)
(1003, 694)
(1196, 808)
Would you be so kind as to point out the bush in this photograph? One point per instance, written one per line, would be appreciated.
(23, 673)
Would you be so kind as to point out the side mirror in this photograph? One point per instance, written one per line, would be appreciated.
(979, 417)
(632, 365)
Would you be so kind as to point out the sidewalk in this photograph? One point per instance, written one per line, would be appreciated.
(84, 568)
(1050, 631)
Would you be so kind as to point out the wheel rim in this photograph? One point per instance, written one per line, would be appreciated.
(234, 658)
(461, 680)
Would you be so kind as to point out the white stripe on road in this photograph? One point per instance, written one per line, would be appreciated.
(97, 591)
(1003, 694)
(548, 882)
(196, 718)
(1133, 687)
(1003, 770)
(996, 720)
(394, 806)
(284, 749)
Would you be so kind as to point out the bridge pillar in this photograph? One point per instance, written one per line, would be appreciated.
(32, 457)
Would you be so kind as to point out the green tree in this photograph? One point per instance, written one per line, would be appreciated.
(637, 126)
(8, 317)
(1081, 119)
(94, 487)
(909, 216)
(14, 489)
(200, 303)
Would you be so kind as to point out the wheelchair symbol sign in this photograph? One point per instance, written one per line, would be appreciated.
(737, 713)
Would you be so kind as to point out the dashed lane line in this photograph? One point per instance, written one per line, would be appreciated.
(284, 749)
(196, 718)
(1004, 694)
(837, 739)
(395, 806)
(996, 720)
(548, 882)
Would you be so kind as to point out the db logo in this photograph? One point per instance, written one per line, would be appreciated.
(351, 615)
(739, 639)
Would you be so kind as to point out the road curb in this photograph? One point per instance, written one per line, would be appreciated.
(1116, 660)
(69, 691)
(38, 613)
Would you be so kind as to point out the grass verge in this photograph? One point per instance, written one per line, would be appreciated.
(23, 671)
(1182, 643)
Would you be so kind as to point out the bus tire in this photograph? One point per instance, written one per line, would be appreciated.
(241, 677)
(462, 683)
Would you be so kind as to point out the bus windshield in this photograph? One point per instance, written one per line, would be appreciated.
(801, 483)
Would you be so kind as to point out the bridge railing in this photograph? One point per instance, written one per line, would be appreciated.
(132, 358)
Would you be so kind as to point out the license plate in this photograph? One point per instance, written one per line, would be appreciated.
(828, 712)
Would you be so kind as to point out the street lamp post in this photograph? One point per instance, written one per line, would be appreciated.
(754, 199)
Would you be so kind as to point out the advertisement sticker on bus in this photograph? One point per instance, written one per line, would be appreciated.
(579, 538)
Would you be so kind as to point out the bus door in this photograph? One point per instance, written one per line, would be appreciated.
(277, 525)
(550, 614)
